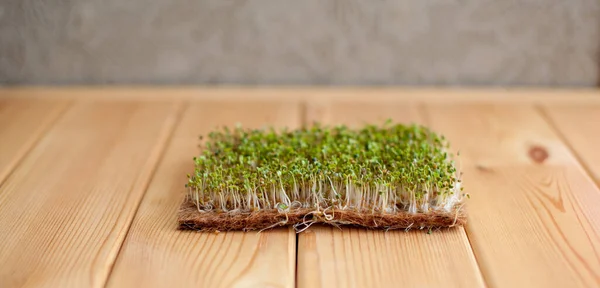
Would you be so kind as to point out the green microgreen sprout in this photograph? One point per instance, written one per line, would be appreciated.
(385, 169)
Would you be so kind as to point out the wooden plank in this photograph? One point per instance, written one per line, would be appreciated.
(22, 123)
(533, 217)
(65, 210)
(578, 124)
(156, 254)
(328, 257)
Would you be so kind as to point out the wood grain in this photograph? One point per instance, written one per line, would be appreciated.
(65, 210)
(73, 171)
(22, 123)
(328, 257)
(156, 254)
(578, 125)
(533, 220)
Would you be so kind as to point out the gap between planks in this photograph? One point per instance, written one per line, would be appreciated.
(572, 150)
(18, 130)
(569, 123)
(160, 150)
(156, 254)
(532, 221)
(427, 120)
(557, 122)
(73, 202)
(417, 259)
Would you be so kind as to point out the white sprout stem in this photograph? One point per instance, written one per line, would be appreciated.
(322, 194)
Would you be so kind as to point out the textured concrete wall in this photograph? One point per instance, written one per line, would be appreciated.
(437, 42)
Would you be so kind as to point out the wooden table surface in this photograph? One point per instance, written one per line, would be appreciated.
(91, 180)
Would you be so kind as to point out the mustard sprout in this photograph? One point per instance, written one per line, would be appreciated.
(383, 169)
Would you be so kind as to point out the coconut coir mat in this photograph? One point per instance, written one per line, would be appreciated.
(391, 176)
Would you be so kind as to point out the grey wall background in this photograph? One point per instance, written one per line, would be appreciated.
(269, 42)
